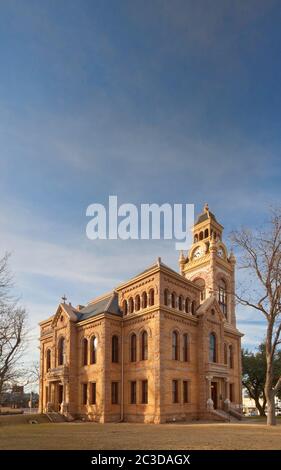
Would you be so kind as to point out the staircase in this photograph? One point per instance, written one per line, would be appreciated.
(232, 416)
(55, 417)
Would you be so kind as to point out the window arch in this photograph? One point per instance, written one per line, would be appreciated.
(144, 346)
(48, 360)
(144, 299)
(125, 307)
(223, 296)
(93, 350)
(212, 348)
(166, 297)
(173, 300)
(195, 238)
(131, 305)
(133, 348)
(115, 349)
(185, 347)
(201, 236)
(230, 348)
(206, 234)
(175, 345)
(225, 353)
(193, 307)
(61, 351)
(84, 352)
(187, 305)
(137, 303)
(180, 303)
(151, 297)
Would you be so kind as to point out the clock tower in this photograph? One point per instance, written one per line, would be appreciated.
(209, 265)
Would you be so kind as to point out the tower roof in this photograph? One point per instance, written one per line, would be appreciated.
(206, 215)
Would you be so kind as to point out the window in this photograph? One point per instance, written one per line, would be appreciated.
(185, 390)
(84, 394)
(225, 353)
(144, 300)
(133, 393)
(175, 345)
(175, 391)
(137, 303)
(133, 348)
(61, 351)
(125, 307)
(144, 391)
(201, 284)
(180, 303)
(173, 300)
(187, 305)
(151, 297)
(84, 352)
(131, 305)
(206, 234)
(166, 297)
(46, 394)
(231, 356)
(93, 393)
(193, 307)
(201, 236)
(185, 348)
(212, 348)
(144, 346)
(48, 359)
(94, 350)
(114, 393)
(223, 296)
(115, 349)
(231, 392)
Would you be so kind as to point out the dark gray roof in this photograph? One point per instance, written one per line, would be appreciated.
(205, 216)
(108, 304)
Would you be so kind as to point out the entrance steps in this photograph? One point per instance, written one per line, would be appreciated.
(232, 416)
(55, 417)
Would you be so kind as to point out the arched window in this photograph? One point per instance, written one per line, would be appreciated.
(231, 356)
(133, 348)
(48, 360)
(175, 345)
(206, 234)
(125, 307)
(173, 300)
(137, 303)
(212, 348)
(144, 299)
(144, 346)
(93, 347)
(180, 303)
(61, 351)
(201, 235)
(166, 297)
(84, 352)
(151, 297)
(223, 296)
(199, 282)
(185, 347)
(195, 238)
(193, 307)
(114, 349)
(225, 353)
(131, 305)
(187, 305)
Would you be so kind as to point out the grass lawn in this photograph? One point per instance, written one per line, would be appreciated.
(93, 436)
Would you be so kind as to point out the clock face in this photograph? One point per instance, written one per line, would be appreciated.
(197, 253)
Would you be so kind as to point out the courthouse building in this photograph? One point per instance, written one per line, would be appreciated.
(161, 347)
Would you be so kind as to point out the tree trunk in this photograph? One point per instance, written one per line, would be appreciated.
(260, 408)
(271, 418)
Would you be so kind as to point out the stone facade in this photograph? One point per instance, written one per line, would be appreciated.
(161, 347)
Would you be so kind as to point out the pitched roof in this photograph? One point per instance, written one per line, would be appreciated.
(205, 216)
(108, 304)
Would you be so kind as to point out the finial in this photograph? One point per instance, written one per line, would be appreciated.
(158, 261)
(206, 207)
(64, 298)
(181, 257)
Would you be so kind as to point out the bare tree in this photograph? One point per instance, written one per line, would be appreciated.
(261, 258)
(12, 330)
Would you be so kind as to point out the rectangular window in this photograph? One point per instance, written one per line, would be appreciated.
(175, 391)
(93, 392)
(231, 392)
(114, 393)
(133, 393)
(84, 394)
(144, 391)
(185, 391)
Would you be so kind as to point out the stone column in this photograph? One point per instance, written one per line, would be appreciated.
(226, 401)
(210, 403)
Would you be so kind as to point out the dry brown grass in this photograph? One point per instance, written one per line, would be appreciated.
(95, 436)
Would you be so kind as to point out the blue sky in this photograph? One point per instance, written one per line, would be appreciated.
(161, 101)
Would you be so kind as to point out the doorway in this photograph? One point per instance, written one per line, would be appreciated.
(214, 394)
(60, 394)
